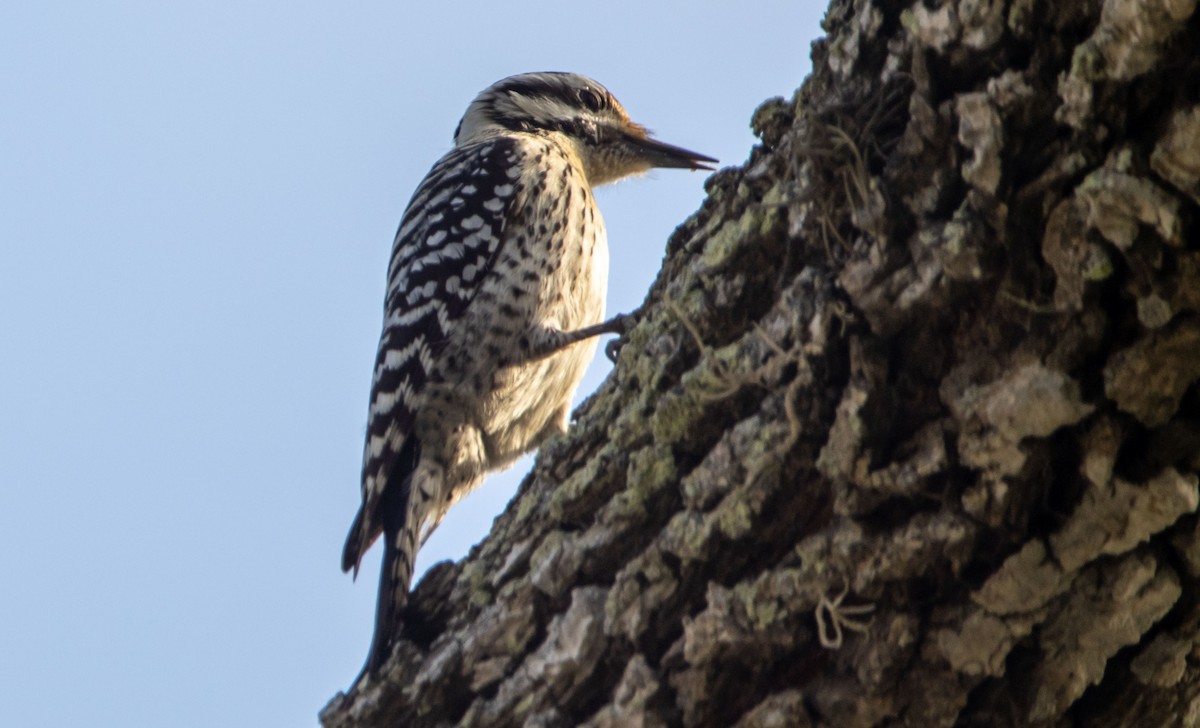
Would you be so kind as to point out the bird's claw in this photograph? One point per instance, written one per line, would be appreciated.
(621, 324)
(613, 348)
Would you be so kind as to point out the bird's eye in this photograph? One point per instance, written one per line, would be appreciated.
(591, 100)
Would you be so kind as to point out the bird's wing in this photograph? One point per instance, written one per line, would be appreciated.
(448, 240)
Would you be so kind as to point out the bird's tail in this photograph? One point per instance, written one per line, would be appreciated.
(401, 511)
(395, 575)
(352, 552)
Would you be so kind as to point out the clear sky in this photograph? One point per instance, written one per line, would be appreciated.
(197, 202)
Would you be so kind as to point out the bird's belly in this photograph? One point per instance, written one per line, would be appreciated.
(530, 402)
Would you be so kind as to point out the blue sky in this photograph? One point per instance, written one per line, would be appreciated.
(197, 201)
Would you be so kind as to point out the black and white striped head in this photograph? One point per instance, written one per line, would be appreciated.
(609, 144)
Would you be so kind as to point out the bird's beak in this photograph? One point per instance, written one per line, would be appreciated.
(661, 154)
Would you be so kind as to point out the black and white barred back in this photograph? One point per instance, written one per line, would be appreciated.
(495, 292)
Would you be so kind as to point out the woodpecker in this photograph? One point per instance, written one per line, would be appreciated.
(495, 292)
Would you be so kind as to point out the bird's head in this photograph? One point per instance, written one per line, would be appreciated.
(609, 144)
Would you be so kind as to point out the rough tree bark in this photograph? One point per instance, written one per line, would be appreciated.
(909, 431)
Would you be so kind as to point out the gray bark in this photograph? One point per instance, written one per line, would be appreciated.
(908, 432)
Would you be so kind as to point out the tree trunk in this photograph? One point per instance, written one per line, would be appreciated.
(908, 432)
